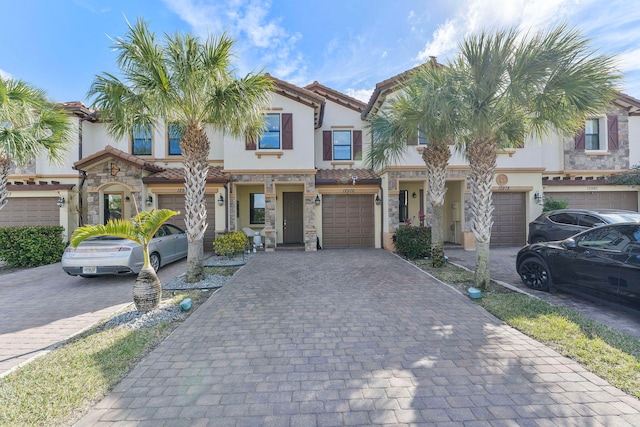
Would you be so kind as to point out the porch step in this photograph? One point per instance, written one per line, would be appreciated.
(290, 247)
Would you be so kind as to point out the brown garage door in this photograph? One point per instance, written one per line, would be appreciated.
(509, 220)
(599, 199)
(30, 211)
(347, 221)
(176, 202)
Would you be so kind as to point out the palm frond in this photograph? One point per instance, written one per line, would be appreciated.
(139, 229)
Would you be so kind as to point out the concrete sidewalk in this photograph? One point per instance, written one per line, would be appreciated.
(353, 337)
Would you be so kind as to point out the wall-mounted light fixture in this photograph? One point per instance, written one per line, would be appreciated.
(114, 169)
(317, 200)
(220, 200)
(149, 200)
(60, 202)
(414, 195)
(378, 201)
(539, 198)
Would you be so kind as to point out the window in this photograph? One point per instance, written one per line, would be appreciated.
(403, 206)
(141, 140)
(592, 134)
(174, 134)
(256, 208)
(341, 145)
(565, 218)
(422, 138)
(271, 136)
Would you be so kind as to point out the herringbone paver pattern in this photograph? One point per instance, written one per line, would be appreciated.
(354, 337)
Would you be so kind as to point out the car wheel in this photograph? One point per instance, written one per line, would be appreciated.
(155, 261)
(538, 239)
(535, 274)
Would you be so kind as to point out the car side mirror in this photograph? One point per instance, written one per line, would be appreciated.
(569, 243)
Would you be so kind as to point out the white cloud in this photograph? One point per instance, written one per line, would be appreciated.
(262, 40)
(629, 61)
(5, 75)
(477, 15)
(360, 94)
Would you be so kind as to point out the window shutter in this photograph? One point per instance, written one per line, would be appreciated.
(357, 145)
(326, 145)
(287, 131)
(249, 144)
(580, 140)
(612, 128)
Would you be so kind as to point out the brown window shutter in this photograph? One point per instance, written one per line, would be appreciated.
(580, 140)
(249, 144)
(287, 131)
(357, 145)
(612, 131)
(327, 144)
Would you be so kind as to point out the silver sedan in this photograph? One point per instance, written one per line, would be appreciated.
(114, 255)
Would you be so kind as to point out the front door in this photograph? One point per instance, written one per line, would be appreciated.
(112, 206)
(292, 218)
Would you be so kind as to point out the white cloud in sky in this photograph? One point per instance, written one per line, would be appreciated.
(249, 24)
(477, 15)
(360, 94)
(5, 75)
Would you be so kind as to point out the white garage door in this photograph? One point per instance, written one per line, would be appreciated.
(176, 202)
(30, 211)
(509, 220)
(347, 221)
(598, 199)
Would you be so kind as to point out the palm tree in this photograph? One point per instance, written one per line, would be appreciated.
(29, 125)
(147, 289)
(513, 84)
(424, 105)
(191, 84)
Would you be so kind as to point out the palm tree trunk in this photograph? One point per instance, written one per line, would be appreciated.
(147, 290)
(5, 164)
(436, 157)
(195, 149)
(482, 155)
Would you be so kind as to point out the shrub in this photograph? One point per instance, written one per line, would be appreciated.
(413, 242)
(31, 246)
(230, 243)
(551, 204)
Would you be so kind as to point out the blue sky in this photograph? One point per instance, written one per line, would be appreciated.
(348, 45)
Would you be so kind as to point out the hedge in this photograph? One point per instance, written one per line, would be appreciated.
(31, 246)
(413, 242)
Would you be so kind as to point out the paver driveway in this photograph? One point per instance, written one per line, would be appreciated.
(353, 337)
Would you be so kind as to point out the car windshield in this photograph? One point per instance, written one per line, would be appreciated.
(621, 217)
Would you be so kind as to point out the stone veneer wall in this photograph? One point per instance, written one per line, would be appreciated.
(611, 160)
(271, 181)
(100, 174)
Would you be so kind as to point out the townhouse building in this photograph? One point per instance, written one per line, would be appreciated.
(306, 183)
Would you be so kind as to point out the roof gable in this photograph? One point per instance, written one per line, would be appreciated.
(112, 152)
(337, 97)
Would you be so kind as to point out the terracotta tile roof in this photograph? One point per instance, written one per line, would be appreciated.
(389, 85)
(176, 175)
(79, 109)
(631, 104)
(337, 97)
(113, 152)
(301, 95)
(344, 176)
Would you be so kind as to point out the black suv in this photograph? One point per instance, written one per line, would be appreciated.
(563, 223)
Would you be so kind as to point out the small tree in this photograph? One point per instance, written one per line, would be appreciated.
(147, 289)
